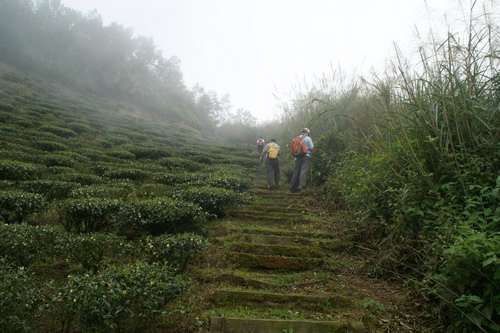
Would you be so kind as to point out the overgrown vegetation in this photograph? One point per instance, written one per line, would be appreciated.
(417, 153)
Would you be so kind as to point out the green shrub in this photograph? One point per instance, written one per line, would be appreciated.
(73, 177)
(57, 160)
(161, 215)
(19, 299)
(15, 206)
(121, 154)
(173, 163)
(212, 199)
(51, 189)
(147, 191)
(59, 131)
(24, 244)
(178, 178)
(132, 174)
(226, 181)
(111, 191)
(50, 145)
(78, 127)
(15, 170)
(118, 298)
(246, 162)
(96, 250)
(176, 250)
(88, 214)
(150, 153)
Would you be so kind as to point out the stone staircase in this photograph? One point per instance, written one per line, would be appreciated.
(276, 272)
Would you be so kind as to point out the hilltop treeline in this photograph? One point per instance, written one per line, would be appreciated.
(76, 49)
(416, 154)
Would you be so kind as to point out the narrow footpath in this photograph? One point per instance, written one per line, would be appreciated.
(277, 266)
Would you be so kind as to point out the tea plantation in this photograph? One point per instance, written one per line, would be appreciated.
(102, 207)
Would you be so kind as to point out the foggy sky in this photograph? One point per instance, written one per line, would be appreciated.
(251, 49)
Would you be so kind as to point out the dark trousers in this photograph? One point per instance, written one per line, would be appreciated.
(272, 171)
(260, 148)
(299, 178)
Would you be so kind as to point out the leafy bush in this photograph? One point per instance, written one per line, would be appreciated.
(15, 206)
(111, 191)
(88, 214)
(14, 170)
(19, 298)
(59, 131)
(24, 244)
(212, 199)
(161, 215)
(173, 163)
(96, 250)
(84, 179)
(121, 154)
(150, 153)
(51, 189)
(132, 174)
(116, 298)
(227, 181)
(47, 145)
(176, 250)
(147, 191)
(57, 160)
(178, 178)
(78, 127)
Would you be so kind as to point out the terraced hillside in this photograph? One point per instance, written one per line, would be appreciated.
(278, 265)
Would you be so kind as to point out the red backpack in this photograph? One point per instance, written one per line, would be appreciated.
(298, 147)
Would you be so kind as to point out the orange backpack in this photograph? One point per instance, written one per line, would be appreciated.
(298, 147)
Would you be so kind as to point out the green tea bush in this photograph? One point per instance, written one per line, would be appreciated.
(111, 141)
(150, 153)
(212, 199)
(17, 171)
(246, 162)
(121, 154)
(47, 145)
(110, 191)
(148, 191)
(226, 181)
(78, 127)
(132, 174)
(93, 154)
(93, 251)
(15, 206)
(57, 160)
(116, 299)
(74, 177)
(161, 215)
(24, 244)
(178, 178)
(50, 189)
(176, 250)
(173, 163)
(20, 299)
(88, 214)
(59, 131)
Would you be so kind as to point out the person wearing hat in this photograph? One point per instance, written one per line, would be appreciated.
(271, 153)
(299, 178)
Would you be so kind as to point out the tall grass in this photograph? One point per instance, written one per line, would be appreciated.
(419, 150)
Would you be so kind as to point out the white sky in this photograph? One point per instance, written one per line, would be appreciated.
(251, 49)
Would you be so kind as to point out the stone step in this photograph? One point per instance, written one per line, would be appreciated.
(249, 325)
(326, 244)
(278, 250)
(282, 217)
(274, 262)
(223, 298)
(224, 230)
(273, 207)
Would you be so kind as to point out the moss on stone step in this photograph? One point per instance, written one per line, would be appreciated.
(279, 250)
(246, 325)
(274, 262)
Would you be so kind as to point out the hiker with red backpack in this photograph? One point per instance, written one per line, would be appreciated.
(301, 149)
(272, 153)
